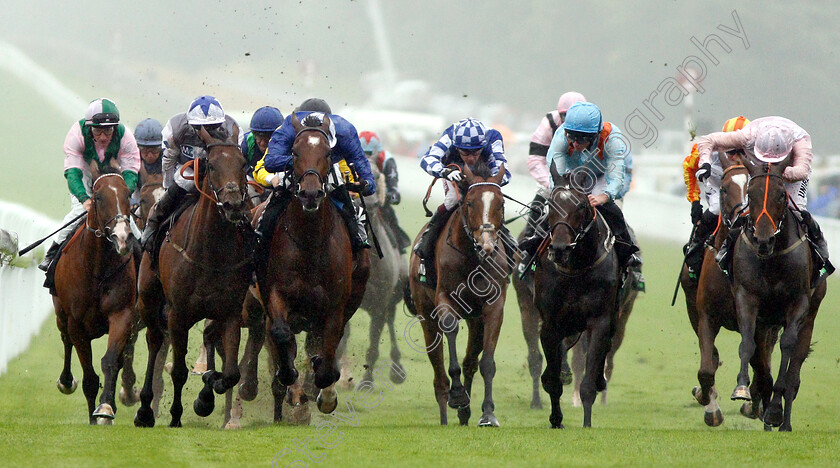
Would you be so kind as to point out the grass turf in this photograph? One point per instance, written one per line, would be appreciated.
(651, 418)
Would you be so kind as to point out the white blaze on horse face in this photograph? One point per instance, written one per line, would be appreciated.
(486, 237)
(158, 193)
(121, 229)
(313, 140)
(741, 180)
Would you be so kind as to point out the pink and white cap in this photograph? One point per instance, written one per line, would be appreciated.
(567, 99)
(773, 143)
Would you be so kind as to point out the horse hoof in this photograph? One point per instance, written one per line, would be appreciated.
(168, 368)
(175, 423)
(713, 418)
(697, 393)
(558, 426)
(104, 410)
(749, 410)
(464, 415)
(67, 390)
(536, 404)
(346, 384)
(248, 390)
(198, 369)
(741, 392)
(326, 407)
(488, 420)
(204, 407)
(773, 416)
(458, 398)
(576, 401)
(104, 422)
(144, 418)
(129, 398)
(566, 377)
(398, 377)
(298, 415)
(233, 425)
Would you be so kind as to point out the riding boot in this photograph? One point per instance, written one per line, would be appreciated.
(48, 258)
(625, 248)
(425, 248)
(695, 247)
(353, 219)
(160, 211)
(536, 225)
(724, 257)
(819, 245)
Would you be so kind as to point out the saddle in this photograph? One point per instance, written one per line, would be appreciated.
(49, 278)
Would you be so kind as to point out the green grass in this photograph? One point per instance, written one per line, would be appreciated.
(651, 418)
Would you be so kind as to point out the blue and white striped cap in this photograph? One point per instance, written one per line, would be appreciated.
(205, 110)
(470, 134)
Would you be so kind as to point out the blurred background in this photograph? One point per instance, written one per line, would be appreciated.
(409, 69)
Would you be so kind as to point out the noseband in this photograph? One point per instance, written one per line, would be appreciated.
(106, 230)
(741, 208)
(196, 162)
(578, 232)
(486, 228)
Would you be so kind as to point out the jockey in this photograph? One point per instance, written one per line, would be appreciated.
(771, 140)
(99, 138)
(255, 142)
(537, 166)
(372, 146)
(345, 142)
(182, 144)
(586, 143)
(150, 142)
(706, 221)
(463, 143)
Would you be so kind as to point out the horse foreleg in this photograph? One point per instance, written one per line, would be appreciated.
(490, 336)
(531, 331)
(600, 343)
(249, 385)
(157, 382)
(706, 393)
(150, 308)
(746, 308)
(578, 364)
(129, 394)
(761, 388)
(792, 380)
(180, 338)
(551, 341)
(470, 366)
(433, 334)
(66, 383)
(345, 380)
(397, 370)
(377, 324)
(282, 339)
(278, 390)
(90, 381)
(119, 329)
(794, 344)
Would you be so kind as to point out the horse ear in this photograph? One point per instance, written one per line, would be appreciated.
(500, 176)
(326, 124)
(204, 135)
(468, 173)
(94, 170)
(555, 176)
(296, 123)
(235, 136)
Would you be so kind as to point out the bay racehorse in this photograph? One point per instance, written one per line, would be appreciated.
(711, 306)
(472, 270)
(310, 280)
(576, 290)
(204, 269)
(772, 287)
(95, 293)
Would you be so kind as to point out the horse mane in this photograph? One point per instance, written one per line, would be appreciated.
(481, 169)
(311, 120)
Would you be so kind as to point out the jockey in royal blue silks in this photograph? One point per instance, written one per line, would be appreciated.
(463, 143)
(344, 141)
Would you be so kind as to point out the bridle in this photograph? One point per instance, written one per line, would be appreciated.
(486, 228)
(764, 213)
(296, 181)
(741, 208)
(107, 228)
(578, 232)
(195, 163)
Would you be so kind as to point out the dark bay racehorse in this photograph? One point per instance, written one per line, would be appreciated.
(576, 289)
(472, 270)
(204, 270)
(310, 281)
(95, 283)
(772, 286)
(710, 306)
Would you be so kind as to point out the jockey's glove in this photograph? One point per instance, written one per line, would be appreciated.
(394, 197)
(453, 175)
(362, 187)
(696, 212)
(704, 172)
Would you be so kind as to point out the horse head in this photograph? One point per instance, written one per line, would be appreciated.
(570, 216)
(223, 175)
(311, 159)
(733, 191)
(150, 193)
(767, 201)
(110, 210)
(483, 207)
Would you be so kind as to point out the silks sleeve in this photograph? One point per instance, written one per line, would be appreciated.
(75, 183)
(130, 180)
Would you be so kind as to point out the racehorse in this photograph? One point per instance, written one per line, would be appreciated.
(772, 286)
(95, 285)
(710, 304)
(204, 270)
(576, 289)
(472, 269)
(310, 280)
